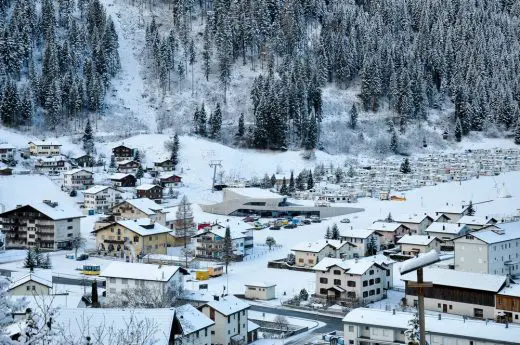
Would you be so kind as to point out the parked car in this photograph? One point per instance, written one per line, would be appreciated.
(345, 220)
(306, 221)
(275, 227)
(315, 219)
(291, 226)
(82, 257)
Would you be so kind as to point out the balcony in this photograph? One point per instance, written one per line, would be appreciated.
(114, 241)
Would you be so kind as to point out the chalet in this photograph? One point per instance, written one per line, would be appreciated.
(447, 232)
(84, 161)
(507, 304)
(417, 223)
(209, 243)
(376, 326)
(123, 180)
(391, 232)
(123, 153)
(164, 165)
(44, 148)
(230, 316)
(354, 280)
(490, 250)
(453, 213)
(170, 180)
(133, 237)
(6, 152)
(100, 199)
(308, 254)
(477, 223)
(456, 292)
(78, 179)
(412, 245)
(30, 284)
(128, 166)
(150, 191)
(46, 224)
(139, 208)
(362, 239)
(54, 163)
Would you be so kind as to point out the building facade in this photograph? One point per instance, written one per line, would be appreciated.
(78, 179)
(122, 153)
(6, 152)
(139, 208)
(413, 245)
(100, 199)
(44, 148)
(308, 254)
(150, 191)
(123, 180)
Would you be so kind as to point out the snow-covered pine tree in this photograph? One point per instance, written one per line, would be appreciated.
(216, 123)
(458, 130)
(517, 132)
(328, 233)
(405, 167)
(241, 126)
(175, 151)
(227, 249)
(283, 189)
(394, 143)
(310, 181)
(335, 235)
(88, 139)
(353, 114)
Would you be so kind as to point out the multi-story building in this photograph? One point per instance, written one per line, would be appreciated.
(139, 208)
(196, 327)
(128, 166)
(150, 191)
(363, 239)
(6, 152)
(123, 153)
(507, 304)
(447, 232)
(164, 165)
(132, 238)
(391, 232)
(308, 254)
(230, 316)
(355, 280)
(44, 148)
(366, 326)
(156, 279)
(452, 214)
(493, 251)
(416, 222)
(170, 180)
(412, 245)
(123, 180)
(54, 163)
(477, 223)
(78, 179)
(455, 292)
(47, 225)
(100, 199)
(209, 243)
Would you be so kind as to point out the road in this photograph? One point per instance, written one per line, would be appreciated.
(331, 323)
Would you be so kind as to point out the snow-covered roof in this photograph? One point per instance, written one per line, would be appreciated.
(75, 171)
(145, 205)
(472, 220)
(95, 189)
(511, 290)
(356, 233)
(319, 245)
(221, 232)
(55, 213)
(142, 227)
(138, 271)
(191, 319)
(7, 147)
(107, 323)
(385, 226)
(261, 284)
(29, 277)
(466, 280)
(454, 209)
(125, 162)
(421, 240)
(449, 325)
(49, 159)
(228, 305)
(147, 186)
(119, 176)
(424, 259)
(507, 232)
(352, 266)
(251, 326)
(445, 228)
(254, 193)
(44, 143)
(414, 218)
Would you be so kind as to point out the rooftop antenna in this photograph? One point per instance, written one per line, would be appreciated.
(214, 164)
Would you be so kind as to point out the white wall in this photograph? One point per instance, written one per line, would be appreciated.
(457, 308)
(224, 330)
(66, 230)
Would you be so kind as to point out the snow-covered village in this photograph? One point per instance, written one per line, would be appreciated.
(232, 172)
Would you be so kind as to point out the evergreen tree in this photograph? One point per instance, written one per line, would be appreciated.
(175, 151)
(94, 295)
(201, 127)
(517, 132)
(112, 162)
(137, 156)
(227, 249)
(458, 130)
(405, 167)
(353, 117)
(394, 144)
(389, 218)
(266, 182)
(241, 126)
(350, 172)
(292, 186)
(273, 181)
(88, 139)
(335, 232)
(328, 233)
(300, 181)
(38, 256)
(9, 104)
(471, 209)
(140, 173)
(270, 242)
(371, 247)
(30, 260)
(283, 188)
(215, 123)
(310, 181)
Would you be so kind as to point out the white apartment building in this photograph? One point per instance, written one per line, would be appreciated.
(361, 238)
(356, 280)
(367, 326)
(230, 316)
(155, 278)
(196, 327)
(447, 231)
(100, 198)
(477, 223)
(7, 151)
(78, 179)
(493, 251)
(44, 148)
(308, 254)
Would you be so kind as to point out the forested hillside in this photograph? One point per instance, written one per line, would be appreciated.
(56, 61)
(405, 59)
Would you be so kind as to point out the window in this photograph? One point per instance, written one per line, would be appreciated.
(438, 305)
(197, 334)
(372, 292)
(69, 220)
(323, 280)
(365, 282)
(351, 294)
(323, 291)
(337, 281)
(124, 281)
(351, 283)
(229, 319)
(479, 313)
(378, 280)
(351, 328)
(337, 272)
(113, 280)
(451, 307)
(378, 291)
(371, 282)
(28, 288)
(301, 260)
(69, 227)
(365, 294)
(371, 272)
(33, 287)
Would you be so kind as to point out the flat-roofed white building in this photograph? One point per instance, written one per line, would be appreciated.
(260, 290)
(364, 326)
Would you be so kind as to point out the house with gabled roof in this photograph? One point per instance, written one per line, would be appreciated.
(447, 232)
(477, 223)
(308, 254)
(416, 222)
(150, 191)
(123, 180)
(139, 208)
(123, 153)
(78, 179)
(44, 148)
(29, 284)
(99, 199)
(362, 239)
(391, 232)
(453, 213)
(413, 245)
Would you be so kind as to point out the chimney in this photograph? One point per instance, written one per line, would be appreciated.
(486, 217)
(326, 241)
(428, 236)
(440, 317)
(216, 298)
(393, 311)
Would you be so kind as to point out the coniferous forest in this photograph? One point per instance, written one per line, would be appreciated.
(56, 61)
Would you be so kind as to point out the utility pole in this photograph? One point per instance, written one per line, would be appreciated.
(420, 285)
(214, 164)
